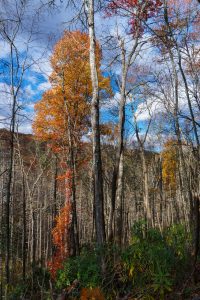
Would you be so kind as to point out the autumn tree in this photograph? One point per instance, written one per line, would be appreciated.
(62, 116)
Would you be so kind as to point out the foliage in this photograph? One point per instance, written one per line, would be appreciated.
(150, 267)
(85, 268)
(169, 164)
(179, 239)
(63, 112)
(60, 232)
(137, 12)
(152, 258)
(90, 294)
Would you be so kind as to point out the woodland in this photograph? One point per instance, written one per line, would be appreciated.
(100, 151)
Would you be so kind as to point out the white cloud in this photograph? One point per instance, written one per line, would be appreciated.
(5, 100)
(24, 116)
(30, 92)
(148, 109)
(44, 86)
(111, 103)
(25, 127)
(4, 49)
(32, 79)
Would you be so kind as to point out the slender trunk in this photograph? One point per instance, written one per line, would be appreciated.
(10, 170)
(119, 205)
(75, 232)
(116, 179)
(97, 163)
(24, 230)
(147, 209)
(39, 244)
(54, 207)
(119, 155)
(33, 238)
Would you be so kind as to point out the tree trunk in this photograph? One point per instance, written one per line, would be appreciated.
(147, 210)
(97, 163)
(10, 175)
(120, 148)
(24, 230)
(119, 205)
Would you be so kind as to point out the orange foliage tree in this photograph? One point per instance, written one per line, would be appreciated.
(169, 164)
(62, 115)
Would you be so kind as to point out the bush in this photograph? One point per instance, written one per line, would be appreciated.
(152, 259)
(179, 240)
(84, 268)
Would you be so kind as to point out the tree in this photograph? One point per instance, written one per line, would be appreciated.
(96, 143)
(137, 13)
(62, 116)
(66, 106)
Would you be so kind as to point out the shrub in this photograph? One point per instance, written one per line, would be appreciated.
(151, 260)
(84, 268)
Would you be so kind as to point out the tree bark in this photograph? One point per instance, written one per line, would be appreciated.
(147, 212)
(10, 169)
(119, 205)
(24, 229)
(97, 163)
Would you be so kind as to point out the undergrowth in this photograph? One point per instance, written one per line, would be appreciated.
(153, 266)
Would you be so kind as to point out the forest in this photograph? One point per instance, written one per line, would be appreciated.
(99, 149)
